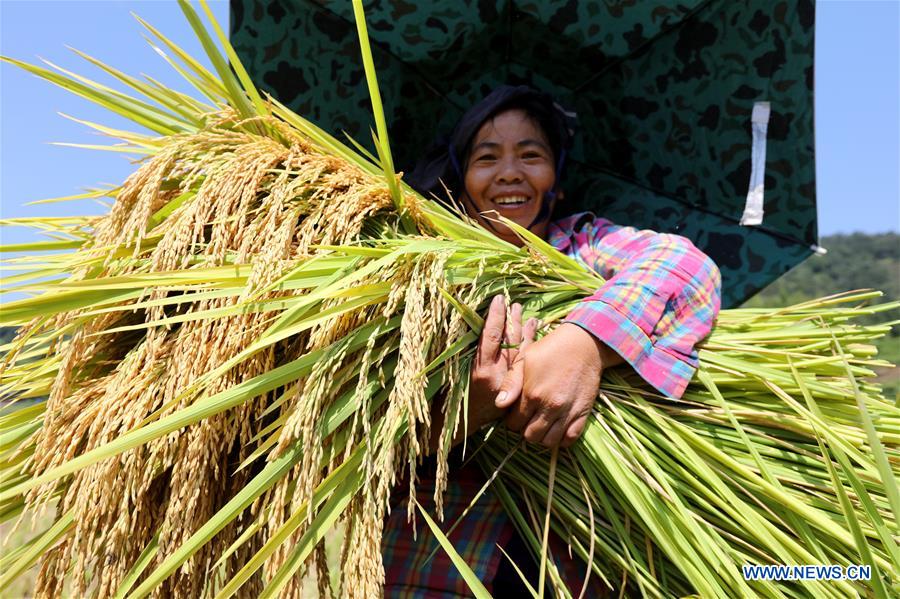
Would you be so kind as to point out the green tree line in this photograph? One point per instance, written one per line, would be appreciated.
(856, 261)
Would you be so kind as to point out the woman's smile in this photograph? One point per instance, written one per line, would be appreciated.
(511, 203)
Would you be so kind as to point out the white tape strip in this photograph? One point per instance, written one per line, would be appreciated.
(753, 208)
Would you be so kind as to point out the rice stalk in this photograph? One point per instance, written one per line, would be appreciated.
(249, 347)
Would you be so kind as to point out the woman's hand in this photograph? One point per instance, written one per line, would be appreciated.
(555, 381)
(501, 341)
(490, 367)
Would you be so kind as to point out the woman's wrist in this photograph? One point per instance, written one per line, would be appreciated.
(599, 353)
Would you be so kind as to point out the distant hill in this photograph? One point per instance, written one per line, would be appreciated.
(856, 261)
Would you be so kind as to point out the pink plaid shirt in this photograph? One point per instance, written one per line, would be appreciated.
(661, 297)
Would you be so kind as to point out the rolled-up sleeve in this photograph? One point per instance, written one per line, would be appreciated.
(661, 297)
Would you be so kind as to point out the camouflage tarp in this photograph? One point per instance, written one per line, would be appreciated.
(664, 94)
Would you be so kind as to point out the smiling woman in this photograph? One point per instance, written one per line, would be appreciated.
(660, 298)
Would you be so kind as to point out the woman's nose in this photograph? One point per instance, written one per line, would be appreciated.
(508, 171)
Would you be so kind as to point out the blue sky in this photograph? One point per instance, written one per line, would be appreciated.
(857, 104)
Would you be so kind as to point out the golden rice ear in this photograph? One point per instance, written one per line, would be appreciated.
(372, 319)
(245, 350)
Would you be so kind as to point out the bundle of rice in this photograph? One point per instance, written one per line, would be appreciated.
(244, 352)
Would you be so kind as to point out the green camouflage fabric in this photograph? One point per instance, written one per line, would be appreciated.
(663, 91)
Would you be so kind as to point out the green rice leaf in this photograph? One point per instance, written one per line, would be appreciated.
(40, 545)
(147, 556)
(474, 584)
(237, 97)
(382, 145)
(235, 62)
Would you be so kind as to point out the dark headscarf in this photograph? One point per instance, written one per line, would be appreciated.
(444, 163)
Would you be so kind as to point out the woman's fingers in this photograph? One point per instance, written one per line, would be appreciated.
(492, 333)
(511, 387)
(574, 430)
(538, 427)
(513, 381)
(543, 428)
(555, 433)
(528, 332)
(521, 412)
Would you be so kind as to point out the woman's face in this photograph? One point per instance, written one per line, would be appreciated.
(508, 171)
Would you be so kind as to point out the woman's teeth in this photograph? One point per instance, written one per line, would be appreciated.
(511, 200)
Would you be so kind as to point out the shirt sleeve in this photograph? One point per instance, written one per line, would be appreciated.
(661, 297)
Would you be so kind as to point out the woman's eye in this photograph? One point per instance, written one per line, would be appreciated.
(485, 158)
(532, 155)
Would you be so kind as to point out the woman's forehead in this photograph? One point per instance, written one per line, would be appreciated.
(514, 124)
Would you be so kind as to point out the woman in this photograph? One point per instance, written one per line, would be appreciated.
(507, 157)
